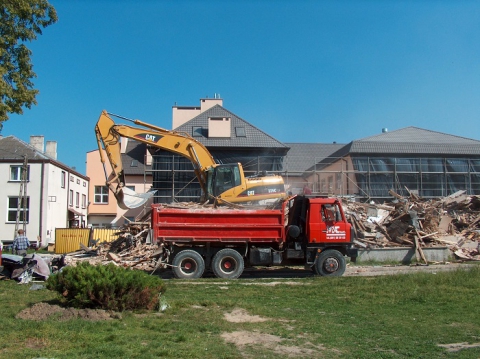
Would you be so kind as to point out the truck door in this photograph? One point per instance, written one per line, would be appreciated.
(331, 227)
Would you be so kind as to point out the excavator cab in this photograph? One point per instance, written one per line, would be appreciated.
(222, 178)
(227, 183)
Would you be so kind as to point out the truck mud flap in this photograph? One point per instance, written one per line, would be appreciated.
(351, 252)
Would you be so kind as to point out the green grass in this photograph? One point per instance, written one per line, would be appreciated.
(400, 316)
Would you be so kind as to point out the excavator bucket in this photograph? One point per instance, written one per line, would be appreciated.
(128, 199)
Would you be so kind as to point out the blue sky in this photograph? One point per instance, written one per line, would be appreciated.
(301, 71)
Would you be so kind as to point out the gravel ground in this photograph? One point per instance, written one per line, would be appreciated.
(354, 270)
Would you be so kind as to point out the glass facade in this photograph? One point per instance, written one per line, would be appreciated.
(175, 181)
(427, 177)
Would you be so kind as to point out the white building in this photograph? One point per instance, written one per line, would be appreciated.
(56, 195)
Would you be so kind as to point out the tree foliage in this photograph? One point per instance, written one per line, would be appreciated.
(20, 22)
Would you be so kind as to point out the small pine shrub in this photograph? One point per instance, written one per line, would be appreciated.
(107, 287)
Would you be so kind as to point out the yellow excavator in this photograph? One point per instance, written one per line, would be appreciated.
(219, 182)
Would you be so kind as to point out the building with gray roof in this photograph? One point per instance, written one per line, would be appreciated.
(408, 160)
(39, 193)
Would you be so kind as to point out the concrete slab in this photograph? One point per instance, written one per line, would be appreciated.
(403, 255)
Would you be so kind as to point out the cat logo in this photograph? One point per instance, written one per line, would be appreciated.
(148, 137)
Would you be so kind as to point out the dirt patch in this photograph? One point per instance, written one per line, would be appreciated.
(455, 347)
(43, 311)
(241, 316)
(243, 339)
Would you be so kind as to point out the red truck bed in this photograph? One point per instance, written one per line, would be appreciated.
(217, 225)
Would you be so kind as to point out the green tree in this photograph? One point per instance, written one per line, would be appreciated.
(20, 22)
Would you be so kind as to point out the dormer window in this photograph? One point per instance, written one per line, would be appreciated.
(197, 131)
(240, 132)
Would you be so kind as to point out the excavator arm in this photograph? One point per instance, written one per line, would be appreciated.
(221, 182)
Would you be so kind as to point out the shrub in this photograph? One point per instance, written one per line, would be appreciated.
(107, 287)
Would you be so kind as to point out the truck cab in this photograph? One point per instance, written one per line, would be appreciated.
(318, 228)
(326, 222)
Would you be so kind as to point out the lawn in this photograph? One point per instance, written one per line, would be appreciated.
(399, 316)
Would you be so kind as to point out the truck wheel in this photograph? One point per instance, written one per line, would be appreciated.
(330, 263)
(227, 264)
(188, 264)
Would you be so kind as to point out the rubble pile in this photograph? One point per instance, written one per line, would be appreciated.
(131, 249)
(415, 222)
(452, 221)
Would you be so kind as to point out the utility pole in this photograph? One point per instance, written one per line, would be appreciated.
(22, 199)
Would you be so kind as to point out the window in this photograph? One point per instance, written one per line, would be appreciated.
(84, 201)
(330, 212)
(84, 184)
(240, 132)
(13, 209)
(70, 198)
(16, 173)
(101, 194)
(338, 180)
(226, 177)
(134, 163)
(197, 131)
(330, 184)
(77, 199)
(323, 187)
(63, 179)
(71, 179)
(78, 181)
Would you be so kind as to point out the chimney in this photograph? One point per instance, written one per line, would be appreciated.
(37, 142)
(123, 144)
(51, 149)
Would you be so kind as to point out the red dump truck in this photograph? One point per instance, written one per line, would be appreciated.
(304, 231)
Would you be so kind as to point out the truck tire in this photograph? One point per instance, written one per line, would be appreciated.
(227, 264)
(330, 263)
(188, 264)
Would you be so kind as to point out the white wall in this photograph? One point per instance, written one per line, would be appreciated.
(48, 207)
(12, 189)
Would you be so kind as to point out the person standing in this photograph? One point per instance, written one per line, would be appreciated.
(21, 244)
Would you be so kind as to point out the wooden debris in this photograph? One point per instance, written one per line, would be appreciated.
(132, 248)
(405, 222)
(418, 223)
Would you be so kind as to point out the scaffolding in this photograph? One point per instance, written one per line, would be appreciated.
(374, 177)
(365, 178)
